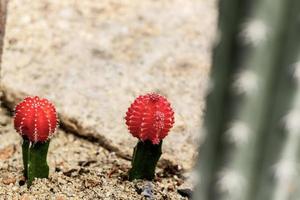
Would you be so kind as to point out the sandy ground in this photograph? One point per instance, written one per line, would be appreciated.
(92, 58)
(78, 170)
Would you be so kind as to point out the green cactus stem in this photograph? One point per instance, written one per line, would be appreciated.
(25, 148)
(251, 150)
(35, 160)
(144, 160)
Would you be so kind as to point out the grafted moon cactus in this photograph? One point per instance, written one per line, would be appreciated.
(35, 120)
(149, 118)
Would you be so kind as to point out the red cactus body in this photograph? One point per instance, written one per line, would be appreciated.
(150, 117)
(36, 119)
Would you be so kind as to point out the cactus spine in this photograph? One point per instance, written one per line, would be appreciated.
(252, 120)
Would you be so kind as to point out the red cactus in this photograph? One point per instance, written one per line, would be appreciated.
(150, 117)
(35, 118)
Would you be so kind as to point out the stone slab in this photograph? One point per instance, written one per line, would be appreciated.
(92, 58)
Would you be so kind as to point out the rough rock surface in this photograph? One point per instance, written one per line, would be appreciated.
(92, 58)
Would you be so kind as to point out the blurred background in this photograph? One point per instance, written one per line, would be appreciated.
(251, 149)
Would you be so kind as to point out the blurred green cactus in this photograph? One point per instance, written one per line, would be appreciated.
(252, 143)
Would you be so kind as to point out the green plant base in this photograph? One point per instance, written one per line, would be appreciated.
(144, 160)
(35, 160)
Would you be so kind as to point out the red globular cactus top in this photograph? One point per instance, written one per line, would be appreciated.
(36, 119)
(150, 117)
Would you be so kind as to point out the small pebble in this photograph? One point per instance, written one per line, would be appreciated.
(8, 180)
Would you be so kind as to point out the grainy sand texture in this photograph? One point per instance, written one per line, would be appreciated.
(79, 170)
